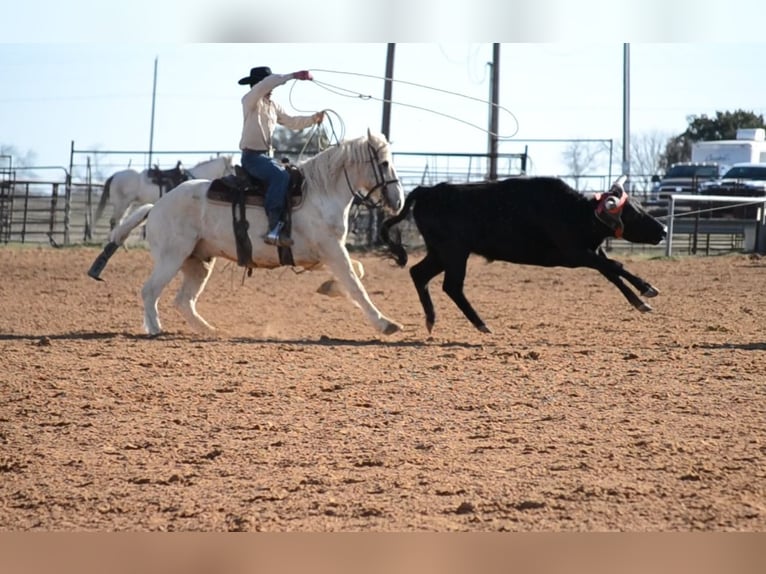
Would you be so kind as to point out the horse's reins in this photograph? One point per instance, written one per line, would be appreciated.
(380, 181)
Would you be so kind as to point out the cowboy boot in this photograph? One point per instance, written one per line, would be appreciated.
(276, 235)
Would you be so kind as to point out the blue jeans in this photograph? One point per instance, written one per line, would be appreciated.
(270, 170)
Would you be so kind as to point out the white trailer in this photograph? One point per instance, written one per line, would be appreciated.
(749, 147)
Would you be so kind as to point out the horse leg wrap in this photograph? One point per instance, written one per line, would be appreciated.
(101, 261)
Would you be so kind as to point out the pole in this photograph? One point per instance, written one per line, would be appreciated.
(626, 111)
(387, 89)
(151, 128)
(493, 114)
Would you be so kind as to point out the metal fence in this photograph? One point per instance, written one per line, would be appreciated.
(59, 210)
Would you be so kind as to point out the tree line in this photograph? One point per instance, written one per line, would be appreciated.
(653, 153)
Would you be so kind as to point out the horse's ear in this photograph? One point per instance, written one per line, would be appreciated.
(369, 134)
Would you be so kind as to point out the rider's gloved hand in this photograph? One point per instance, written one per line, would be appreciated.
(303, 75)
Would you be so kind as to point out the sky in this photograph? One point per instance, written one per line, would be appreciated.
(84, 76)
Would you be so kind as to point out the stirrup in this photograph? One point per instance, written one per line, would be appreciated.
(275, 237)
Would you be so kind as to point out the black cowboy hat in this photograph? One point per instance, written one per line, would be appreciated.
(256, 75)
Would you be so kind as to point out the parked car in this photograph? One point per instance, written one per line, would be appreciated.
(742, 179)
(684, 177)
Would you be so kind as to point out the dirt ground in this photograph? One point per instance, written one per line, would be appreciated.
(577, 413)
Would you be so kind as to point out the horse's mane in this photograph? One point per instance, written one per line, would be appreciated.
(328, 164)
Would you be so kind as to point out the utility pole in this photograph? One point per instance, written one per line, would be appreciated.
(151, 128)
(494, 89)
(626, 112)
(387, 89)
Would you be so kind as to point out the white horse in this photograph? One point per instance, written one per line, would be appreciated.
(128, 186)
(186, 231)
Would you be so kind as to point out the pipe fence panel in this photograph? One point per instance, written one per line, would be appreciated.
(60, 211)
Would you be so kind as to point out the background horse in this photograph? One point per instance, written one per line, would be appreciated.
(186, 231)
(128, 187)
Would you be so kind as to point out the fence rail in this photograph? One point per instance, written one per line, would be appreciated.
(750, 229)
(60, 211)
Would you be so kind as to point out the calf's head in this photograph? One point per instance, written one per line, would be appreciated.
(627, 218)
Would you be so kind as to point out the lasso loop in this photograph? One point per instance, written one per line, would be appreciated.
(338, 90)
(327, 127)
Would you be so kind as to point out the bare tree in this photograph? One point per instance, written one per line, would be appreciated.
(93, 169)
(646, 158)
(26, 160)
(646, 151)
(583, 158)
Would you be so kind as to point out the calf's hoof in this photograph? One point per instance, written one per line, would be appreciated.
(483, 328)
(644, 308)
(650, 292)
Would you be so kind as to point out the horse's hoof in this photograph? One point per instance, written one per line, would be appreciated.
(429, 326)
(650, 292)
(392, 328)
(483, 328)
(644, 308)
(330, 288)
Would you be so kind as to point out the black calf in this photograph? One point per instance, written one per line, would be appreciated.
(532, 221)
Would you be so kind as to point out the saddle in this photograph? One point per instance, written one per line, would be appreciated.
(240, 190)
(167, 179)
(227, 189)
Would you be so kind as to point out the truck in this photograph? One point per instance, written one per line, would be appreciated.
(749, 147)
(683, 177)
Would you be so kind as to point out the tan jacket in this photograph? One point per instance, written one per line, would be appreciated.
(262, 114)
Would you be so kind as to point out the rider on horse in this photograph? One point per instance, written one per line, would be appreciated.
(261, 116)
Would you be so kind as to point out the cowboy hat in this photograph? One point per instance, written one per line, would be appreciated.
(256, 75)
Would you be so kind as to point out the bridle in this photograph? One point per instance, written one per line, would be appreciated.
(380, 181)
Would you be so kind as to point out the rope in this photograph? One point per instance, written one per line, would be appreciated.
(345, 92)
(709, 210)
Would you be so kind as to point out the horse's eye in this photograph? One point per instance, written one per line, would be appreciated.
(384, 165)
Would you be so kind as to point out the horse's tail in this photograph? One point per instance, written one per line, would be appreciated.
(104, 199)
(137, 218)
(117, 237)
(394, 244)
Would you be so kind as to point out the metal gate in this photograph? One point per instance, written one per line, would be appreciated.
(6, 196)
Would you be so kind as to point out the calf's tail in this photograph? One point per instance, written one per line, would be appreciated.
(117, 237)
(394, 244)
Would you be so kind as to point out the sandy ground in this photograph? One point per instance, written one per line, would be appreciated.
(577, 413)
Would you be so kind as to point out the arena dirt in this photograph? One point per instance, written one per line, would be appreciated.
(577, 413)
